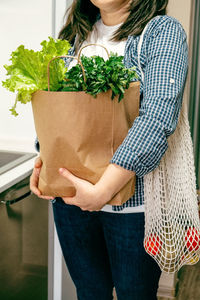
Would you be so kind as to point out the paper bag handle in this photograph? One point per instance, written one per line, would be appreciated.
(79, 53)
(62, 56)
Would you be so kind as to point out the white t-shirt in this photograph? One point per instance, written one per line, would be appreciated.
(102, 35)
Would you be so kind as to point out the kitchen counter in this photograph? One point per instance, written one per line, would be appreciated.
(16, 174)
(22, 170)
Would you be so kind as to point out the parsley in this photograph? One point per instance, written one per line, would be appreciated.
(101, 76)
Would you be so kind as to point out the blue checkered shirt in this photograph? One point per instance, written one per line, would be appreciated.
(164, 61)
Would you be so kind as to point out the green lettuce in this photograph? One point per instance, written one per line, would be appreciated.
(28, 70)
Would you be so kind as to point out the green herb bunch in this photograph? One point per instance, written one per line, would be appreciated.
(101, 76)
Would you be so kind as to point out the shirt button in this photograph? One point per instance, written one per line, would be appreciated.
(172, 80)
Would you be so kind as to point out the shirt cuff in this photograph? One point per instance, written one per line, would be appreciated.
(37, 145)
(127, 159)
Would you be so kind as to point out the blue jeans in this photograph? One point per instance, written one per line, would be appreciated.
(102, 250)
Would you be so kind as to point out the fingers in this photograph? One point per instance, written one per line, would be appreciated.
(34, 179)
(38, 162)
(67, 174)
(34, 182)
(69, 200)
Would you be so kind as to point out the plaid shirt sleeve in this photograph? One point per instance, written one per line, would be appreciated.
(37, 145)
(164, 61)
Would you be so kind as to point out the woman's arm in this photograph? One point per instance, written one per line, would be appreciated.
(165, 64)
(94, 196)
(113, 180)
(146, 142)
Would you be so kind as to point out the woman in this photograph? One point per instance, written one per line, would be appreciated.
(103, 245)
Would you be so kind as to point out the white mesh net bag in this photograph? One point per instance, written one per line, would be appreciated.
(172, 226)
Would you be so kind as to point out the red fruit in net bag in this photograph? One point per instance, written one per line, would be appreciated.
(152, 244)
(193, 239)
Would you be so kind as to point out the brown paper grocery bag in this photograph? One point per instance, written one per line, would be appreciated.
(80, 133)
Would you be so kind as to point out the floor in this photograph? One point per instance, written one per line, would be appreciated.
(188, 286)
(25, 285)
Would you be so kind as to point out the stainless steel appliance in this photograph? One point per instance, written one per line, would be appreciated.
(23, 240)
(31, 261)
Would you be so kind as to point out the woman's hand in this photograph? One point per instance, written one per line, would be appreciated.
(35, 178)
(94, 196)
(88, 196)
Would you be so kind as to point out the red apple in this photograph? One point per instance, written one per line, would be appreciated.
(193, 239)
(152, 244)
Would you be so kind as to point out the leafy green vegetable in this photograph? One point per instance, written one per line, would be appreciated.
(28, 71)
(101, 76)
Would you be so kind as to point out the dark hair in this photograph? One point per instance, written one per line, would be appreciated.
(82, 15)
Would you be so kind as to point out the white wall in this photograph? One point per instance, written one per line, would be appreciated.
(25, 22)
(181, 10)
(60, 7)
